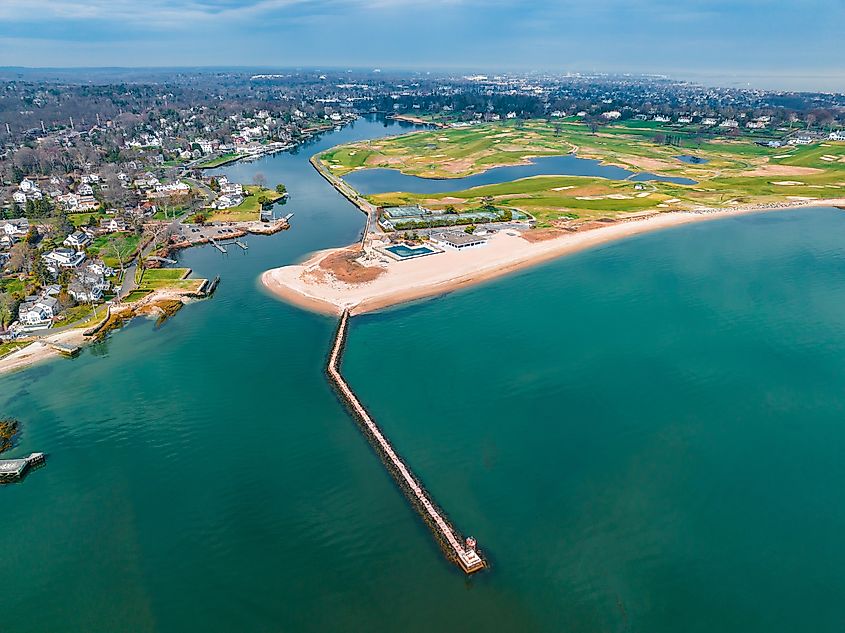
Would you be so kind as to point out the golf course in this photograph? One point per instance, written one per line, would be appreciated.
(726, 170)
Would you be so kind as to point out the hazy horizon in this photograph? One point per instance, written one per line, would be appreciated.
(773, 45)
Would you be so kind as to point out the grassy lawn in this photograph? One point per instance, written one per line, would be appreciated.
(162, 278)
(216, 162)
(82, 219)
(249, 209)
(74, 314)
(92, 319)
(736, 171)
(12, 285)
(164, 274)
(135, 295)
(99, 247)
(12, 346)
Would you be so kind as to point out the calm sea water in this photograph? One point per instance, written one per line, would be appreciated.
(644, 437)
(382, 180)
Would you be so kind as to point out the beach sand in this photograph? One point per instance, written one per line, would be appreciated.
(307, 284)
(40, 350)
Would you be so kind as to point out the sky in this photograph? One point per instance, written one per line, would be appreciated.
(767, 43)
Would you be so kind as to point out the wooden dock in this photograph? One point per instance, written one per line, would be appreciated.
(216, 245)
(462, 552)
(16, 469)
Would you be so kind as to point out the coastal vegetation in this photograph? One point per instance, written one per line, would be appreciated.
(729, 171)
(8, 430)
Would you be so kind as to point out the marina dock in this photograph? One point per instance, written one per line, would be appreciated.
(16, 469)
(462, 552)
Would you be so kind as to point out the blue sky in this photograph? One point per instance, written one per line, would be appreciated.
(770, 41)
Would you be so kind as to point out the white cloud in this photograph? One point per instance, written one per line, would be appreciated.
(164, 12)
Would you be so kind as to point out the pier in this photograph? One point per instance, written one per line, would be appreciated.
(16, 469)
(462, 552)
(216, 245)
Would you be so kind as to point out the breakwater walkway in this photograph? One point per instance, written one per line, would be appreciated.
(462, 552)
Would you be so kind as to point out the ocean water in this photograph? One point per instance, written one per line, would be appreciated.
(647, 436)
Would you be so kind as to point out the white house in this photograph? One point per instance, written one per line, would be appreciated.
(232, 189)
(837, 136)
(77, 240)
(114, 225)
(37, 313)
(16, 228)
(729, 123)
(19, 197)
(85, 190)
(63, 258)
(227, 201)
(612, 115)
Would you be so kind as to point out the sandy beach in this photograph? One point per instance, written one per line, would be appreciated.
(40, 350)
(312, 285)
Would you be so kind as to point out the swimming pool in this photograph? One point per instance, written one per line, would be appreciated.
(405, 252)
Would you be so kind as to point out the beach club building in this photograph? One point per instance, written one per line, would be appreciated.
(456, 240)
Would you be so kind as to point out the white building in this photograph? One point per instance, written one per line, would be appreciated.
(15, 229)
(38, 313)
(77, 240)
(63, 258)
(457, 241)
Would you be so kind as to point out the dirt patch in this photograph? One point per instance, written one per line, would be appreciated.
(650, 164)
(457, 166)
(782, 170)
(540, 235)
(343, 267)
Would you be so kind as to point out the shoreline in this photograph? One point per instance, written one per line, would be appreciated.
(154, 305)
(309, 286)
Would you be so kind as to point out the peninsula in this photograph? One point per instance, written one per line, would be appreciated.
(442, 237)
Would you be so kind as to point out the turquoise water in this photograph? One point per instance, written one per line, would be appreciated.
(404, 251)
(643, 437)
(382, 180)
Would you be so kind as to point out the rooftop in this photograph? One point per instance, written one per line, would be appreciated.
(457, 239)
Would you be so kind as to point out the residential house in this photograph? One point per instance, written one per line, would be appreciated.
(63, 258)
(227, 201)
(77, 240)
(114, 225)
(15, 229)
(37, 312)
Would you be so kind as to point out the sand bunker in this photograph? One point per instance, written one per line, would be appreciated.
(782, 170)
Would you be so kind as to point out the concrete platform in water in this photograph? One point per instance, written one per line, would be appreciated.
(16, 469)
